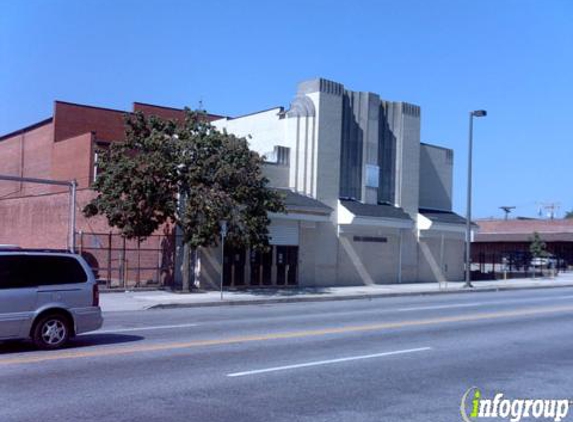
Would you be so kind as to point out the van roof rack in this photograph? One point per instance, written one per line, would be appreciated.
(13, 248)
(4, 247)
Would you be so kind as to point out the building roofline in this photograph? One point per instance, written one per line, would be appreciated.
(158, 106)
(436, 146)
(115, 110)
(430, 209)
(27, 128)
(281, 108)
(176, 109)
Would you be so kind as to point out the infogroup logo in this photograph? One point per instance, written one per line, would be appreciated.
(475, 407)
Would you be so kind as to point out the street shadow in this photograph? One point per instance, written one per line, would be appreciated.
(282, 291)
(84, 340)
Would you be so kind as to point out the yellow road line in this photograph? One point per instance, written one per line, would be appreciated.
(112, 351)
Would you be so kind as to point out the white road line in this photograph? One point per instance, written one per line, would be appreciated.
(155, 327)
(429, 308)
(493, 302)
(327, 362)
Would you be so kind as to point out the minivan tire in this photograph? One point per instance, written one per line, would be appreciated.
(51, 331)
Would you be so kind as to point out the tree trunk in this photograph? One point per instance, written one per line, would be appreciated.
(185, 270)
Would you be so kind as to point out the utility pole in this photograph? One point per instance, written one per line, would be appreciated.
(224, 229)
(475, 113)
(506, 209)
(550, 209)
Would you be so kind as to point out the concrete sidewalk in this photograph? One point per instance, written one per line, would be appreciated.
(135, 301)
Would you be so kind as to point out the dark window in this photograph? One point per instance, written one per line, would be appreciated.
(261, 267)
(370, 239)
(386, 156)
(29, 270)
(351, 145)
(287, 262)
(11, 272)
(234, 266)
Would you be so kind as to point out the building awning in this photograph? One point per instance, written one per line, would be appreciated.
(439, 220)
(301, 207)
(356, 213)
(444, 217)
(297, 201)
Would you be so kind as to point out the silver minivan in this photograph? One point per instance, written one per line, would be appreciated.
(46, 296)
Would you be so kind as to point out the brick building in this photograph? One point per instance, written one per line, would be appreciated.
(64, 147)
(498, 241)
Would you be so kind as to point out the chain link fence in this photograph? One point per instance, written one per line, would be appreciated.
(493, 262)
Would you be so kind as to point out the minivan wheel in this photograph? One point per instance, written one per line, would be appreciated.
(51, 332)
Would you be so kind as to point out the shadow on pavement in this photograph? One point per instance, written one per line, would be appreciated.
(282, 292)
(84, 340)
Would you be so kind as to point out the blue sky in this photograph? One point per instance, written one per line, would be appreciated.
(511, 57)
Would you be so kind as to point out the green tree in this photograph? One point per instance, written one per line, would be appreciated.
(187, 174)
(537, 248)
(569, 214)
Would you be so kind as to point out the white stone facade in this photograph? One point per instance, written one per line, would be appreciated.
(389, 197)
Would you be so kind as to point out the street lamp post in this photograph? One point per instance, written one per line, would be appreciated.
(223, 225)
(476, 113)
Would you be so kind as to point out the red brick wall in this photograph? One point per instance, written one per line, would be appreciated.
(10, 164)
(37, 159)
(163, 112)
(35, 215)
(43, 221)
(72, 159)
(71, 120)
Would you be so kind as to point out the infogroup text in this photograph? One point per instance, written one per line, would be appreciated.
(475, 407)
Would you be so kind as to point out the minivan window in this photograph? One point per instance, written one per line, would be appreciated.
(11, 272)
(39, 270)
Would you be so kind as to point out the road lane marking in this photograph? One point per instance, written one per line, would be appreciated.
(436, 307)
(474, 304)
(155, 327)
(328, 362)
(391, 310)
(156, 347)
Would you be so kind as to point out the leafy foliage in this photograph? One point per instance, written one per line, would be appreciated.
(188, 174)
(538, 247)
(569, 214)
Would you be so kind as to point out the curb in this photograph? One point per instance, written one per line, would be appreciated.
(342, 298)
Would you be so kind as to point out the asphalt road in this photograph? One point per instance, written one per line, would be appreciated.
(389, 359)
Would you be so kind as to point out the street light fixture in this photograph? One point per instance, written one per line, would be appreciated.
(475, 113)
